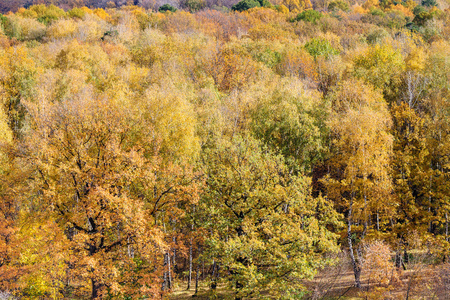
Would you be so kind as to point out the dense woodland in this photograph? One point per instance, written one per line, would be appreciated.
(249, 145)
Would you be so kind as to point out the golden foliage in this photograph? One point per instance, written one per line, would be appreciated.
(62, 29)
(128, 137)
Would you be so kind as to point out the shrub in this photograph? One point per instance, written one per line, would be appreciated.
(282, 9)
(318, 47)
(44, 14)
(245, 5)
(429, 3)
(76, 12)
(102, 14)
(62, 29)
(3, 21)
(195, 5)
(377, 12)
(265, 3)
(422, 17)
(377, 36)
(418, 10)
(24, 29)
(338, 5)
(310, 15)
(167, 7)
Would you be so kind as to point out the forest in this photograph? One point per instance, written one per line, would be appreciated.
(239, 150)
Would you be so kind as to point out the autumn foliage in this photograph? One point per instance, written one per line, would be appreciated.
(142, 148)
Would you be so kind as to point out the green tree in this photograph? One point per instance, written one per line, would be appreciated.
(266, 230)
(338, 5)
(245, 5)
(289, 119)
(319, 47)
(310, 15)
(167, 7)
(429, 3)
(45, 14)
(195, 5)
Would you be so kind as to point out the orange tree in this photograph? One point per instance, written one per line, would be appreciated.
(91, 165)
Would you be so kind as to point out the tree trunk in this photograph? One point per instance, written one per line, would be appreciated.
(165, 283)
(214, 276)
(96, 287)
(169, 272)
(174, 254)
(398, 259)
(446, 227)
(355, 263)
(239, 286)
(378, 221)
(203, 269)
(190, 265)
(365, 226)
(196, 278)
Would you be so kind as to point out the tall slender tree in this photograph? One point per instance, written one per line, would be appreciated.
(359, 180)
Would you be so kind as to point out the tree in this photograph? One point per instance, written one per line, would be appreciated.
(9, 241)
(410, 175)
(338, 5)
(437, 106)
(311, 16)
(195, 5)
(296, 6)
(380, 270)
(92, 166)
(288, 118)
(358, 180)
(18, 85)
(167, 7)
(429, 3)
(266, 231)
(229, 68)
(318, 47)
(380, 66)
(245, 5)
(410, 164)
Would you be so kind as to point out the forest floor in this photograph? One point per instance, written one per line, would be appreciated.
(204, 292)
(338, 283)
(341, 290)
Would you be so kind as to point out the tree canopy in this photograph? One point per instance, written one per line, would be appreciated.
(259, 149)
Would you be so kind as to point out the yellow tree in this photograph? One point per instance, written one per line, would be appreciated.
(361, 147)
(421, 149)
(297, 6)
(380, 66)
(18, 84)
(410, 174)
(8, 213)
(410, 165)
(437, 105)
